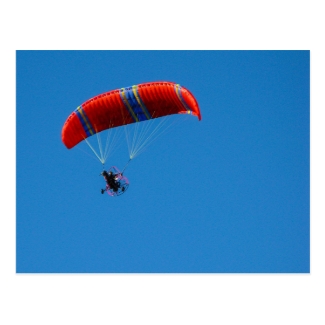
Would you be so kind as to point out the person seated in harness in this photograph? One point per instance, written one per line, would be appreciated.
(111, 181)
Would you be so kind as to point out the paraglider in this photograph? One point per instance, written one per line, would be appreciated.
(116, 183)
(123, 108)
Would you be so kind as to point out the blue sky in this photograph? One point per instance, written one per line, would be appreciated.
(228, 194)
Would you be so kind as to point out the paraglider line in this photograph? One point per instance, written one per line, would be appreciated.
(93, 150)
(126, 166)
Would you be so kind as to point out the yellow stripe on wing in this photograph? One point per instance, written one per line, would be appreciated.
(136, 95)
(128, 105)
(178, 93)
(85, 120)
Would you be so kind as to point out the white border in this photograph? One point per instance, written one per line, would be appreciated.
(161, 299)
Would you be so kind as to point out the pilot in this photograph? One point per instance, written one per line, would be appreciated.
(111, 181)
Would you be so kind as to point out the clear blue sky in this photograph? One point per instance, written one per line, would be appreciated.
(228, 194)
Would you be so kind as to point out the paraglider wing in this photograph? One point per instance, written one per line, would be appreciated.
(125, 106)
